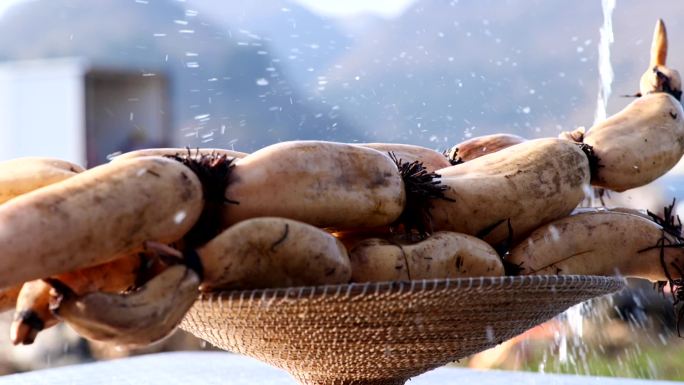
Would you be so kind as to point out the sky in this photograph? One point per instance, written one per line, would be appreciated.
(4, 4)
(385, 8)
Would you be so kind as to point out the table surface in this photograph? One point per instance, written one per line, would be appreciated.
(214, 368)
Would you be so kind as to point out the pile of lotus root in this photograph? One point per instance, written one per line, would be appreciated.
(120, 251)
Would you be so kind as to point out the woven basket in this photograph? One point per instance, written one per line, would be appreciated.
(383, 333)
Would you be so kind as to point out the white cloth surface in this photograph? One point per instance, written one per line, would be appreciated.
(218, 368)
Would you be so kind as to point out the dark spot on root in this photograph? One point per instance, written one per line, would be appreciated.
(452, 156)
(213, 171)
(673, 115)
(666, 85)
(404, 257)
(576, 135)
(406, 262)
(456, 161)
(187, 192)
(330, 271)
(504, 247)
(488, 229)
(594, 161)
(31, 319)
(281, 239)
(63, 291)
(421, 188)
(153, 173)
(61, 288)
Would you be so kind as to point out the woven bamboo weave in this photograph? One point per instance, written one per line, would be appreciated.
(383, 333)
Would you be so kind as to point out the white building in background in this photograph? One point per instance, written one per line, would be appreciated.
(72, 110)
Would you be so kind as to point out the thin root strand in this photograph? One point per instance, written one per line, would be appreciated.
(421, 187)
(214, 172)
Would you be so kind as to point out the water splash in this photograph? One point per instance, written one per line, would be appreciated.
(605, 67)
(575, 320)
(570, 340)
(593, 195)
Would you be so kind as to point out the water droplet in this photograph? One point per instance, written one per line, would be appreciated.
(180, 217)
(489, 333)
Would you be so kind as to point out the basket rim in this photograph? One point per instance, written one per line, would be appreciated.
(614, 283)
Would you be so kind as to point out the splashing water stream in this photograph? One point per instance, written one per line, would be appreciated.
(575, 315)
(605, 68)
(605, 81)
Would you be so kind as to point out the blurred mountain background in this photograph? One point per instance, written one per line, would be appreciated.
(226, 84)
(246, 74)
